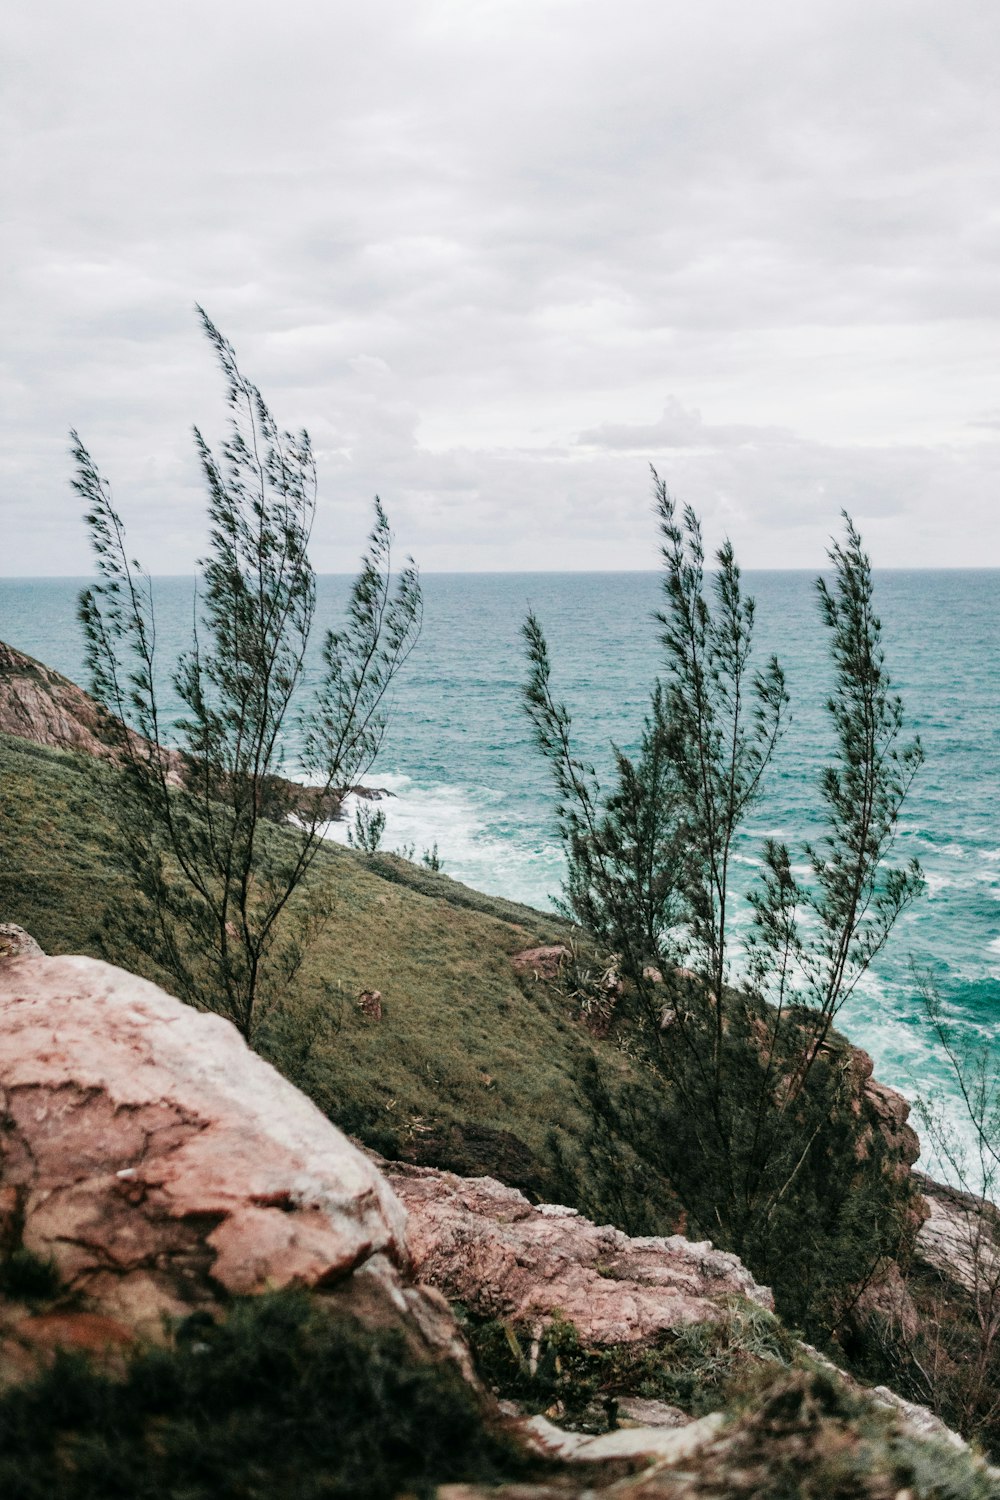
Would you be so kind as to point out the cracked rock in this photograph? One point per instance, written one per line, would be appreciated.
(163, 1166)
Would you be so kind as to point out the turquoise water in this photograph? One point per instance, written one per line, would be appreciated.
(464, 774)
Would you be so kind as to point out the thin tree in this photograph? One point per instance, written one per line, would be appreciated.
(622, 844)
(816, 937)
(218, 840)
(739, 1032)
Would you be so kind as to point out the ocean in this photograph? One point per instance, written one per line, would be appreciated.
(464, 775)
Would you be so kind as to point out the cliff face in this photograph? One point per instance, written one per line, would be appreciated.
(42, 706)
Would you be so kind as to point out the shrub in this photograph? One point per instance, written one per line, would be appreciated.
(284, 1398)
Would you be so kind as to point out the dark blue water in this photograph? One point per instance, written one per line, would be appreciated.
(460, 760)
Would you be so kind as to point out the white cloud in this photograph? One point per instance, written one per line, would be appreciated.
(496, 254)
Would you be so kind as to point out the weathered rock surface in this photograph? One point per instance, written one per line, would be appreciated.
(960, 1238)
(162, 1165)
(661, 1442)
(485, 1245)
(16, 943)
(41, 705)
(887, 1110)
(641, 1411)
(542, 963)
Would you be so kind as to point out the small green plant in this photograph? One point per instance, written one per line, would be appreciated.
(369, 826)
(432, 859)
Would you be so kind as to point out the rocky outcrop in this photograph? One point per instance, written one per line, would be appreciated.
(484, 1245)
(542, 963)
(162, 1167)
(960, 1239)
(40, 705)
(886, 1110)
(16, 943)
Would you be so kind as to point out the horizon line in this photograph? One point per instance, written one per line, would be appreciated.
(532, 572)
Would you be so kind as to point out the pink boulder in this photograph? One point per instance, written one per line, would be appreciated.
(485, 1245)
(542, 963)
(163, 1165)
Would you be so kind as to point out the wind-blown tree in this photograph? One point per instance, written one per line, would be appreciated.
(816, 939)
(622, 845)
(748, 1126)
(218, 840)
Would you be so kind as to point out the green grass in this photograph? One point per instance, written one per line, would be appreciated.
(470, 1066)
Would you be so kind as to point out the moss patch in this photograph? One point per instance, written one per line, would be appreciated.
(804, 1436)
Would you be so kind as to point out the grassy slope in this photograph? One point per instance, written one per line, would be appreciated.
(464, 1048)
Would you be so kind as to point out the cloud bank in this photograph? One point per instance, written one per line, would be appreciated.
(500, 255)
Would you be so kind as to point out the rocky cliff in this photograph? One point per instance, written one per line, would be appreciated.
(40, 705)
(158, 1168)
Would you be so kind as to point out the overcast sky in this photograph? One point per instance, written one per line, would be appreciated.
(498, 256)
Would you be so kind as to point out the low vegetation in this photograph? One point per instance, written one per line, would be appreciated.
(695, 1368)
(283, 1398)
(464, 1066)
(803, 1435)
(468, 1068)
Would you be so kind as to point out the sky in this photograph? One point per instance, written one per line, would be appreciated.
(498, 257)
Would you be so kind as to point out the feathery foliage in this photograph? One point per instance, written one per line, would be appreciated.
(218, 912)
(759, 1121)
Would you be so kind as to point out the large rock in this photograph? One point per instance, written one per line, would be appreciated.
(16, 943)
(163, 1166)
(41, 705)
(484, 1244)
(960, 1239)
